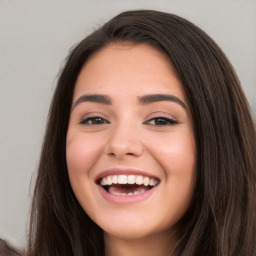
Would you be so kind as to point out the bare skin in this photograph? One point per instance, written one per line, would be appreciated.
(130, 119)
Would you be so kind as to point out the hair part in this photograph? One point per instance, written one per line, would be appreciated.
(221, 219)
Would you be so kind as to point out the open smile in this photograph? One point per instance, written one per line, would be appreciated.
(123, 188)
(127, 185)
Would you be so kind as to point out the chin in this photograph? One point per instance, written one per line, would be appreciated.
(132, 233)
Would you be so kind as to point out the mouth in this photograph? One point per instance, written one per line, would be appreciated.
(127, 185)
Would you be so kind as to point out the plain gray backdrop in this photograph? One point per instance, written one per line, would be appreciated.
(35, 38)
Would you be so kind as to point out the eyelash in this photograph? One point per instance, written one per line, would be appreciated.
(91, 119)
(163, 121)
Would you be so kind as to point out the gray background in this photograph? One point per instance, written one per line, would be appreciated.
(35, 37)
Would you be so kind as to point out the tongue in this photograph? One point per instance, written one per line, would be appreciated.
(124, 190)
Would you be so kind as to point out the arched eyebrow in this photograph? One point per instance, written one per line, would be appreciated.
(143, 100)
(98, 98)
(152, 98)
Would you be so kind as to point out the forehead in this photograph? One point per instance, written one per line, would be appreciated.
(127, 66)
(142, 57)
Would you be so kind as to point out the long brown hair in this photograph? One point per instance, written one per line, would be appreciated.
(221, 219)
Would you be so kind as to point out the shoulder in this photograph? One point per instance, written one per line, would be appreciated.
(5, 250)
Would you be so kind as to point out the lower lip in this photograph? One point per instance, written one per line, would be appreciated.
(127, 199)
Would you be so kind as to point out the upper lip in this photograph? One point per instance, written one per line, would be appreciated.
(124, 171)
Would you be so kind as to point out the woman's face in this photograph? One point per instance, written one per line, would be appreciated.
(129, 125)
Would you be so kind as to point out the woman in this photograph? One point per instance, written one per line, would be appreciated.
(149, 148)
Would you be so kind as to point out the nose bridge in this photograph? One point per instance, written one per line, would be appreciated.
(124, 140)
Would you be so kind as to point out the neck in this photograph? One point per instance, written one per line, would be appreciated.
(157, 244)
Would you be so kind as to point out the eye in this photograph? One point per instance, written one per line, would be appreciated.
(94, 120)
(161, 121)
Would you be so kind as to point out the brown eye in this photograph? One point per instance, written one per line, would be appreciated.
(95, 120)
(161, 121)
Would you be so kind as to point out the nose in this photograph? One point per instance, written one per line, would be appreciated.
(124, 141)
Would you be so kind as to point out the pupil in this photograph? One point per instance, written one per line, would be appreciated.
(97, 121)
(161, 121)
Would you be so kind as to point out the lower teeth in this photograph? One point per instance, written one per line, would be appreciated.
(116, 193)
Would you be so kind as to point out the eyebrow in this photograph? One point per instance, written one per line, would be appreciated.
(98, 98)
(143, 100)
(152, 98)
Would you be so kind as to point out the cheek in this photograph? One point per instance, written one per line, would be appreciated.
(177, 157)
(81, 154)
(176, 153)
(179, 160)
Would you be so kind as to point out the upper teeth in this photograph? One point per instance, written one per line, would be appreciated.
(128, 179)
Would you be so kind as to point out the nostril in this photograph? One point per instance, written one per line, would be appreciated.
(123, 145)
(120, 154)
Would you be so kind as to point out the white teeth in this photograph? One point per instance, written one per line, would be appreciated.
(122, 179)
(131, 179)
(114, 179)
(117, 193)
(139, 180)
(128, 179)
(103, 182)
(152, 182)
(146, 181)
(109, 180)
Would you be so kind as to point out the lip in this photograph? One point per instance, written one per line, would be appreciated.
(125, 199)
